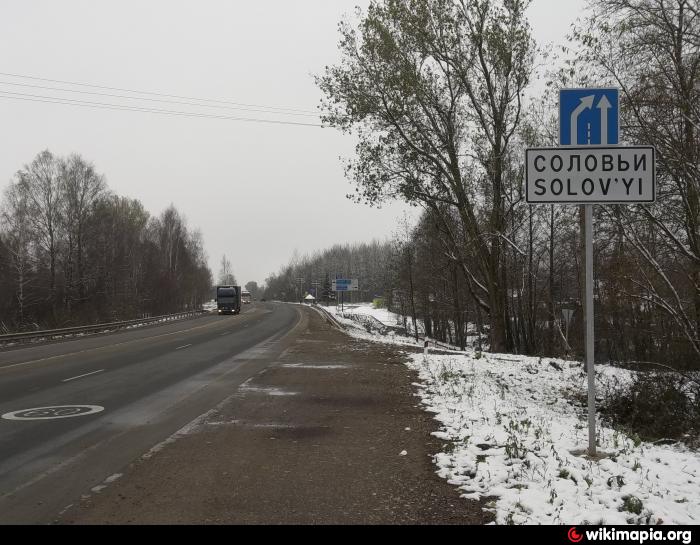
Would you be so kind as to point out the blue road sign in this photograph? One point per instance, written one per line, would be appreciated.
(345, 284)
(589, 117)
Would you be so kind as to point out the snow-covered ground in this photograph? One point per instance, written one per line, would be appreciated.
(387, 318)
(358, 331)
(381, 314)
(516, 434)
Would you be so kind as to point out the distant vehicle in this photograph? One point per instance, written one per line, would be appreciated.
(245, 297)
(228, 299)
(209, 305)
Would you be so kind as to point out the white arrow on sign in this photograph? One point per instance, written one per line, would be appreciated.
(604, 105)
(586, 104)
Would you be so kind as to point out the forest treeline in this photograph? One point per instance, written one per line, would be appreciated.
(435, 93)
(72, 252)
(307, 274)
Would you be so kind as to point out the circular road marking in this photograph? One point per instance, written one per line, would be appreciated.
(50, 413)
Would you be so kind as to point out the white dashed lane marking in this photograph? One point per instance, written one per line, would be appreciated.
(81, 376)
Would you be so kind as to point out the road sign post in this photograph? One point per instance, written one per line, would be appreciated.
(342, 285)
(590, 339)
(590, 168)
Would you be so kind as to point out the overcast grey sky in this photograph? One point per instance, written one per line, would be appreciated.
(257, 191)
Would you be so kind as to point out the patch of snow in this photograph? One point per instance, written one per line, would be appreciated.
(315, 366)
(267, 390)
(113, 478)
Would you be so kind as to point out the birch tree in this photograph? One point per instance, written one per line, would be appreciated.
(41, 179)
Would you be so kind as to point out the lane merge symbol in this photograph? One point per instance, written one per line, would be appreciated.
(589, 117)
(51, 413)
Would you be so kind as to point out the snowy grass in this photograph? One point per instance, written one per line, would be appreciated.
(516, 434)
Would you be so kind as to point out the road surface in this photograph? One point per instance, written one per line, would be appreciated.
(146, 384)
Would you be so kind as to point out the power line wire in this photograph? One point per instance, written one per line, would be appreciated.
(163, 100)
(107, 106)
(96, 86)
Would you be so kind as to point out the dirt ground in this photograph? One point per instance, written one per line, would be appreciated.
(330, 433)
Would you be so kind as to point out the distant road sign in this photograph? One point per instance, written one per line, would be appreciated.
(590, 175)
(589, 117)
(345, 284)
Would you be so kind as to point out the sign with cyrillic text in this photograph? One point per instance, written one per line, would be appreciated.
(590, 175)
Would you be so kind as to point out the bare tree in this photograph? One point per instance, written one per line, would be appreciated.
(226, 276)
(41, 178)
(651, 50)
(64, 237)
(17, 227)
(81, 187)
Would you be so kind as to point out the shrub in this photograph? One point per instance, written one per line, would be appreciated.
(632, 504)
(653, 406)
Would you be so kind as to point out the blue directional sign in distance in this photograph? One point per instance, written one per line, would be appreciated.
(344, 284)
(589, 117)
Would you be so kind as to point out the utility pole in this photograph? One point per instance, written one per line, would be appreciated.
(316, 284)
(301, 281)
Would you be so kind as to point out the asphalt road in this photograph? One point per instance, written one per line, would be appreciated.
(148, 382)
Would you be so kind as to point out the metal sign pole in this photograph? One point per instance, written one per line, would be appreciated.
(590, 167)
(590, 344)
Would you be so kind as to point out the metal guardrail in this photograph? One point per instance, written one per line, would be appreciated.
(328, 315)
(53, 333)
